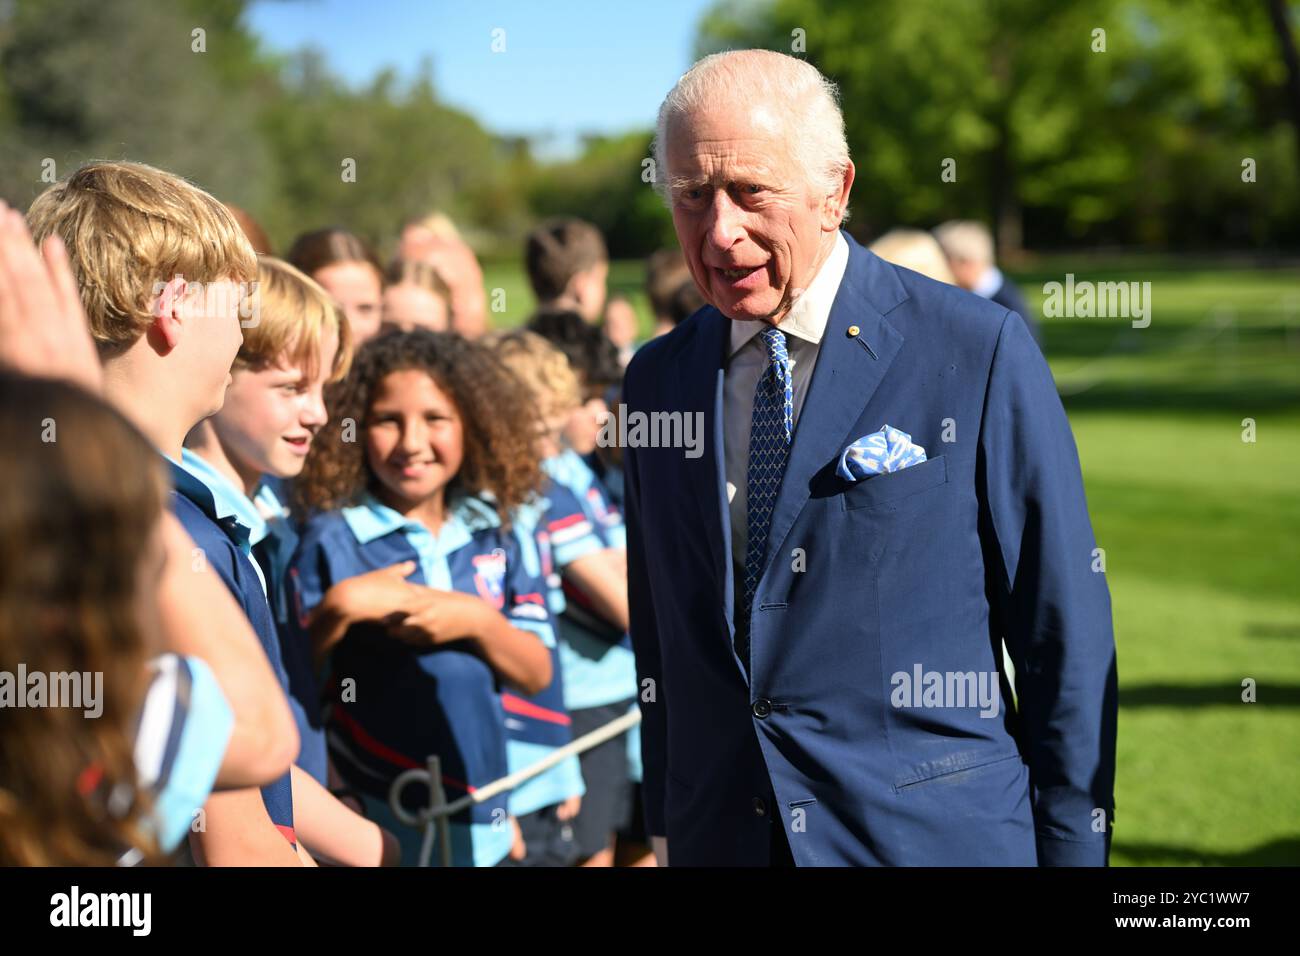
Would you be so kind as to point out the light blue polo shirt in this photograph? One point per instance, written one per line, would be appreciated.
(596, 671)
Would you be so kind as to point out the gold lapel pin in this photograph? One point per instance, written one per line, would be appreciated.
(853, 330)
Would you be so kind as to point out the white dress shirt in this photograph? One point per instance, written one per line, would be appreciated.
(803, 328)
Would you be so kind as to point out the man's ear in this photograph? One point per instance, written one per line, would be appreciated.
(837, 203)
(168, 301)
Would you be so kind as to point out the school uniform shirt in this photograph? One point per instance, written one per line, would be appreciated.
(393, 703)
(272, 540)
(211, 515)
(273, 553)
(597, 659)
(553, 531)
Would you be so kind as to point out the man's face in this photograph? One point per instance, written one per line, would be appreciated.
(753, 229)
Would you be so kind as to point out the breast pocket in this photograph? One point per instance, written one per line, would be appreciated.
(888, 488)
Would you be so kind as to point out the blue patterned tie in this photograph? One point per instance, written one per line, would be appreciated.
(770, 432)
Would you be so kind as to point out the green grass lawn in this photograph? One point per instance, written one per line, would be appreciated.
(1202, 538)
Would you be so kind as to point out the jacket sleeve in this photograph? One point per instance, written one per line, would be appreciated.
(651, 693)
(1049, 597)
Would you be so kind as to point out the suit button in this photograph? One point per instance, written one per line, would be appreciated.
(762, 707)
(760, 808)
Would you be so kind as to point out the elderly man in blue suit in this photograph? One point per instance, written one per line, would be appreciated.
(889, 494)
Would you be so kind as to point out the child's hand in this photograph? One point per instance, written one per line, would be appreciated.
(43, 328)
(568, 810)
(379, 595)
(443, 616)
(519, 849)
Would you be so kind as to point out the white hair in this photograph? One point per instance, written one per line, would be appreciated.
(914, 249)
(804, 104)
(966, 241)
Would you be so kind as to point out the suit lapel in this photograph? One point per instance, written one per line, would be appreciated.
(849, 369)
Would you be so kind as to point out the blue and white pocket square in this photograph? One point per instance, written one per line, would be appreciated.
(879, 453)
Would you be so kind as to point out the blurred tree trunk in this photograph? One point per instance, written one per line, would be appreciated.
(1281, 26)
(1008, 223)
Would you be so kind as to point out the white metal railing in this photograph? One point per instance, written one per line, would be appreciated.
(435, 817)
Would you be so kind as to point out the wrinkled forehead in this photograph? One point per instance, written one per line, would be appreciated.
(729, 139)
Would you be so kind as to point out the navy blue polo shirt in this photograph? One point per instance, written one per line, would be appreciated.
(223, 539)
(402, 703)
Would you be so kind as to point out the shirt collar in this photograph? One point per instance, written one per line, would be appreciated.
(989, 282)
(218, 496)
(568, 469)
(372, 519)
(810, 312)
(268, 502)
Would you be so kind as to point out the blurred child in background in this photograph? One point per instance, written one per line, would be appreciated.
(595, 650)
(569, 548)
(349, 270)
(568, 267)
(409, 578)
(435, 241)
(665, 272)
(620, 327)
(415, 297)
(594, 360)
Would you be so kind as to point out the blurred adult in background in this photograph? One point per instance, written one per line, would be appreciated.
(621, 326)
(434, 240)
(349, 270)
(665, 273)
(916, 250)
(969, 248)
(416, 297)
(568, 266)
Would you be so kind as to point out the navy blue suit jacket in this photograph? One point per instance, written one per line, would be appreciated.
(928, 569)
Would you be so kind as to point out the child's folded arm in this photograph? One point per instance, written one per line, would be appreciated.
(519, 657)
(200, 618)
(365, 597)
(602, 578)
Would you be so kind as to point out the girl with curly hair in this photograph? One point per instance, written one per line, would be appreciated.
(409, 581)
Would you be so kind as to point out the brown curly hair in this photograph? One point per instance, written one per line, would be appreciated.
(499, 417)
(84, 492)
